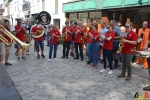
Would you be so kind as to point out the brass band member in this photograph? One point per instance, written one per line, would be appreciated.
(4, 47)
(67, 34)
(89, 44)
(143, 34)
(20, 34)
(28, 35)
(54, 38)
(79, 31)
(107, 48)
(38, 41)
(115, 42)
(126, 55)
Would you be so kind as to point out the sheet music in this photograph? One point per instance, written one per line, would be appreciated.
(123, 34)
(139, 40)
(12, 29)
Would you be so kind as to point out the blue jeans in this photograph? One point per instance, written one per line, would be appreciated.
(48, 39)
(41, 44)
(94, 52)
(88, 50)
(114, 51)
(107, 54)
(51, 50)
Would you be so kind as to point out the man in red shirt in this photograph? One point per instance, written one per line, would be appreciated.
(20, 34)
(67, 34)
(54, 38)
(38, 41)
(79, 32)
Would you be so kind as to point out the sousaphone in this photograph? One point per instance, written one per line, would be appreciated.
(44, 18)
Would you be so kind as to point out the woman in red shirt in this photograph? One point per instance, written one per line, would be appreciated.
(89, 44)
(95, 45)
(126, 55)
(107, 48)
(54, 38)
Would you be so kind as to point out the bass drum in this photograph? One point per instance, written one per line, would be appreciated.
(44, 18)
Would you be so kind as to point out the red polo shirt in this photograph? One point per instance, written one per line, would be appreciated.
(21, 34)
(69, 37)
(132, 36)
(78, 38)
(94, 34)
(109, 44)
(88, 39)
(34, 29)
(55, 39)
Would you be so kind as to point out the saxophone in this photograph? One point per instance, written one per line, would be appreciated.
(121, 45)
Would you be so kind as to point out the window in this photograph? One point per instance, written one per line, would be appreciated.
(72, 17)
(95, 16)
(56, 6)
(83, 17)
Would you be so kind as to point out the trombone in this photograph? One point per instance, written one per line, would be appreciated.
(12, 37)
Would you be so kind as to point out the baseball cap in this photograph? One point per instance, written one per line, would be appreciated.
(76, 23)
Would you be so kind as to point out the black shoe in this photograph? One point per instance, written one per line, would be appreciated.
(146, 88)
(63, 57)
(88, 62)
(8, 64)
(115, 67)
(102, 61)
(43, 55)
(67, 57)
(23, 57)
(82, 59)
(18, 58)
(76, 58)
(16, 54)
(38, 56)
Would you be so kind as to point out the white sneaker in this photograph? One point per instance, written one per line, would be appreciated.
(110, 72)
(55, 59)
(103, 70)
(49, 60)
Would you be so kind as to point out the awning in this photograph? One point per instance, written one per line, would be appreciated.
(112, 3)
(133, 2)
(77, 6)
(90, 5)
(67, 7)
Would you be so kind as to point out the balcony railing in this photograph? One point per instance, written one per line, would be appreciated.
(26, 6)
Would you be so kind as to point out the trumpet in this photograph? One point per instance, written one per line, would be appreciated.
(12, 37)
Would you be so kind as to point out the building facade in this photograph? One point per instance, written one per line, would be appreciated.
(135, 11)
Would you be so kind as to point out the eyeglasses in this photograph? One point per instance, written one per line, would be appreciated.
(126, 26)
(108, 27)
(119, 25)
(19, 22)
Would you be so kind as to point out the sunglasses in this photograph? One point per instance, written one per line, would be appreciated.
(126, 26)
(19, 22)
(108, 27)
(119, 25)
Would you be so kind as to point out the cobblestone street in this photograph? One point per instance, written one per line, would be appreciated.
(68, 79)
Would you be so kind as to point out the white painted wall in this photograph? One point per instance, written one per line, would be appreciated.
(16, 10)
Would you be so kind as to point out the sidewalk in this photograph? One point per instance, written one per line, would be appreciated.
(7, 89)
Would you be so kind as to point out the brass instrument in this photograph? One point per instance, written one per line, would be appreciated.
(38, 34)
(66, 31)
(6, 32)
(121, 45)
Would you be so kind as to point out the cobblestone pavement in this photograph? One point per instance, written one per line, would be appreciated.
(68, 79)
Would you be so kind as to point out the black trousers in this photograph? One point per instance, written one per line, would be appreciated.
(148, 61)
(78, 45)
(66, 44)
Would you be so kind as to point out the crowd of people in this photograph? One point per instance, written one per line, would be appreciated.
(105, 40)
